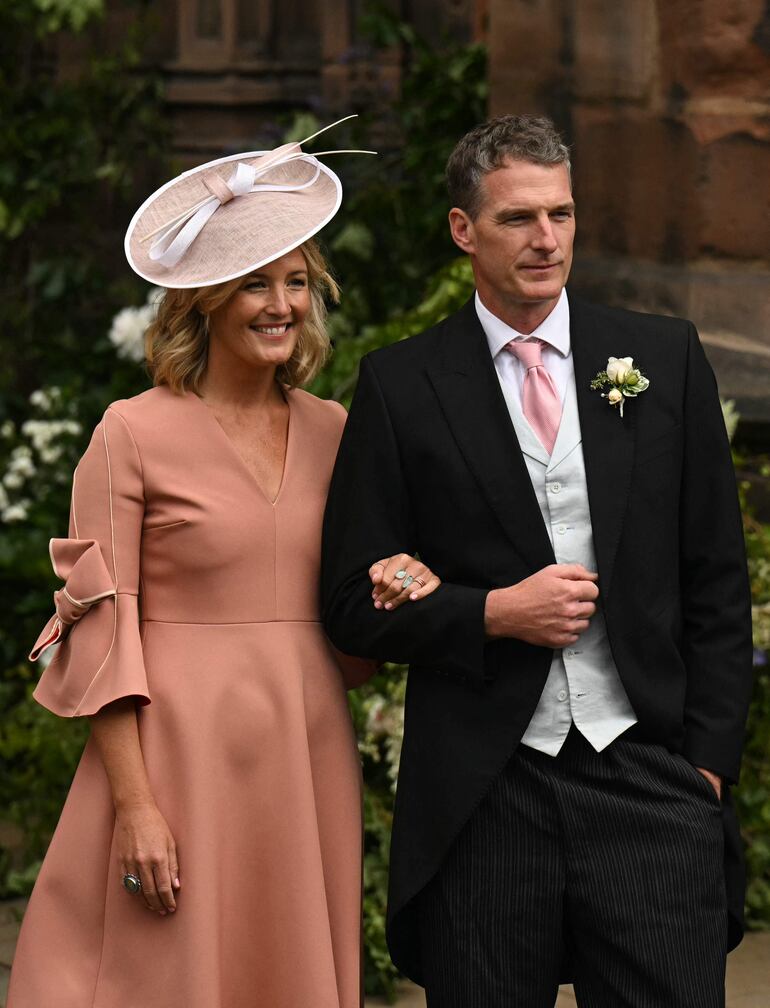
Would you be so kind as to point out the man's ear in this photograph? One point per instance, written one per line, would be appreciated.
(462, 230)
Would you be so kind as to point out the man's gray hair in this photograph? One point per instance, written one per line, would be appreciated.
(491, 145)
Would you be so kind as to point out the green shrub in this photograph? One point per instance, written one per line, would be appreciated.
(753, 793)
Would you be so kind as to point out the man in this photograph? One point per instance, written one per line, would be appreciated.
(579, 683)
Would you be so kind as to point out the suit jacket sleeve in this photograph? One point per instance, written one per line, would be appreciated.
(716, 602)
(368, 517)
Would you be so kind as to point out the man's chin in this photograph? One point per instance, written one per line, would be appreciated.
(538, 291)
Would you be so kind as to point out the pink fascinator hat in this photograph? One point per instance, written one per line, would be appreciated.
(231, 216)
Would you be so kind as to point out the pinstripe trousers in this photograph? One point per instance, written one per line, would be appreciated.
(607, 865)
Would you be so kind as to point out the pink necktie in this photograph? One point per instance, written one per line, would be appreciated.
(539, 398)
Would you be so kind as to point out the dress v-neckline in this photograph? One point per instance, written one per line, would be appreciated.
(240, 459)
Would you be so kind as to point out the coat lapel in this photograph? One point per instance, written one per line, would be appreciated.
(466, 383)
(608, 440)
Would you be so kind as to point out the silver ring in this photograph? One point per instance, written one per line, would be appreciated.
(400, 573)
(132, 883)
(407, 581)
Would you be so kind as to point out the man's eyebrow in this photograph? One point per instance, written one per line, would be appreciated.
(513, 212)
(528, 211)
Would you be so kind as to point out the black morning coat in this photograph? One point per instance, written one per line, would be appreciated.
(429, 464)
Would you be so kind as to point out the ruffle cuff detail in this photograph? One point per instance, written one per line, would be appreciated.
(99, 658)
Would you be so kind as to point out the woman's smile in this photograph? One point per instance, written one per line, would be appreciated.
(272, 332)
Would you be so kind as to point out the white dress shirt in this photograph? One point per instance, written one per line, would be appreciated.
(557, 353)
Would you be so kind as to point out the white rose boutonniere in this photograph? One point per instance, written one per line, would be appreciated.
(626, 381)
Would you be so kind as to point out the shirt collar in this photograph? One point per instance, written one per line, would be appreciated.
(554, 329)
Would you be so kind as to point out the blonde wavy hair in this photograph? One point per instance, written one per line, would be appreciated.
(177, 342)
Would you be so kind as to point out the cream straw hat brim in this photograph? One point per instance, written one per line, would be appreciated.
(243, 234)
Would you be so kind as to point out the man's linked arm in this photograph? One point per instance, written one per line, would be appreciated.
(368, 516)
(716, 602)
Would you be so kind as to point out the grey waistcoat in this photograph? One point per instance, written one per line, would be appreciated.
(583, 684)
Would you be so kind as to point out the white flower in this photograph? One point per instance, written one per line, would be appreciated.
(41, 399)
(45, 398)
(129, 326)
(38, 431)
(15, 512)
(21, 462)
(13, 480)
(618, 368)
(8, 429)
(626, 381)
(4, 502)
(43, 432)
(50, 455)
(375, 710)
(127, 333)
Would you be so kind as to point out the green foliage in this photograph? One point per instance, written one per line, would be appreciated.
(73, 14)
(446, 292)
(39, 757)
(377, 709)
(392, 236)
(753, 792)
(40, 18)
(73, 147)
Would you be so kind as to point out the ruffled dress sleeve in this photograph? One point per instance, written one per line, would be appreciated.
(96, 620)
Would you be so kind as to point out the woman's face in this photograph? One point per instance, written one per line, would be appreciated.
(260, 324)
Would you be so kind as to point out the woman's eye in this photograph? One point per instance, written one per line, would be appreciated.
(297, 283)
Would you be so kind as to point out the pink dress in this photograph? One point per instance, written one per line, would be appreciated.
(186, 588)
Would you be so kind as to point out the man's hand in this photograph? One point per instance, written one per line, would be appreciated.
(551, 608)
(714, 780)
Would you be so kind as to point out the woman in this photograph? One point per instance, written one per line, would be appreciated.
(220, 788)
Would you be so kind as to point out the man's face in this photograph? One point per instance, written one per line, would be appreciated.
(521, 240)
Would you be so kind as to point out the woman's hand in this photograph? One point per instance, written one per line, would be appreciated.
(146, 849)
(399, 579)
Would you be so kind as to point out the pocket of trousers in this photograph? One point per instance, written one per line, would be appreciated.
(698, 780)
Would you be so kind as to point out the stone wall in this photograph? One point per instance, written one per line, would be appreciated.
(667, 106)
(233, 68)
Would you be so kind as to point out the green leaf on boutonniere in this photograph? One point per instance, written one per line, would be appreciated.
(600, 380)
